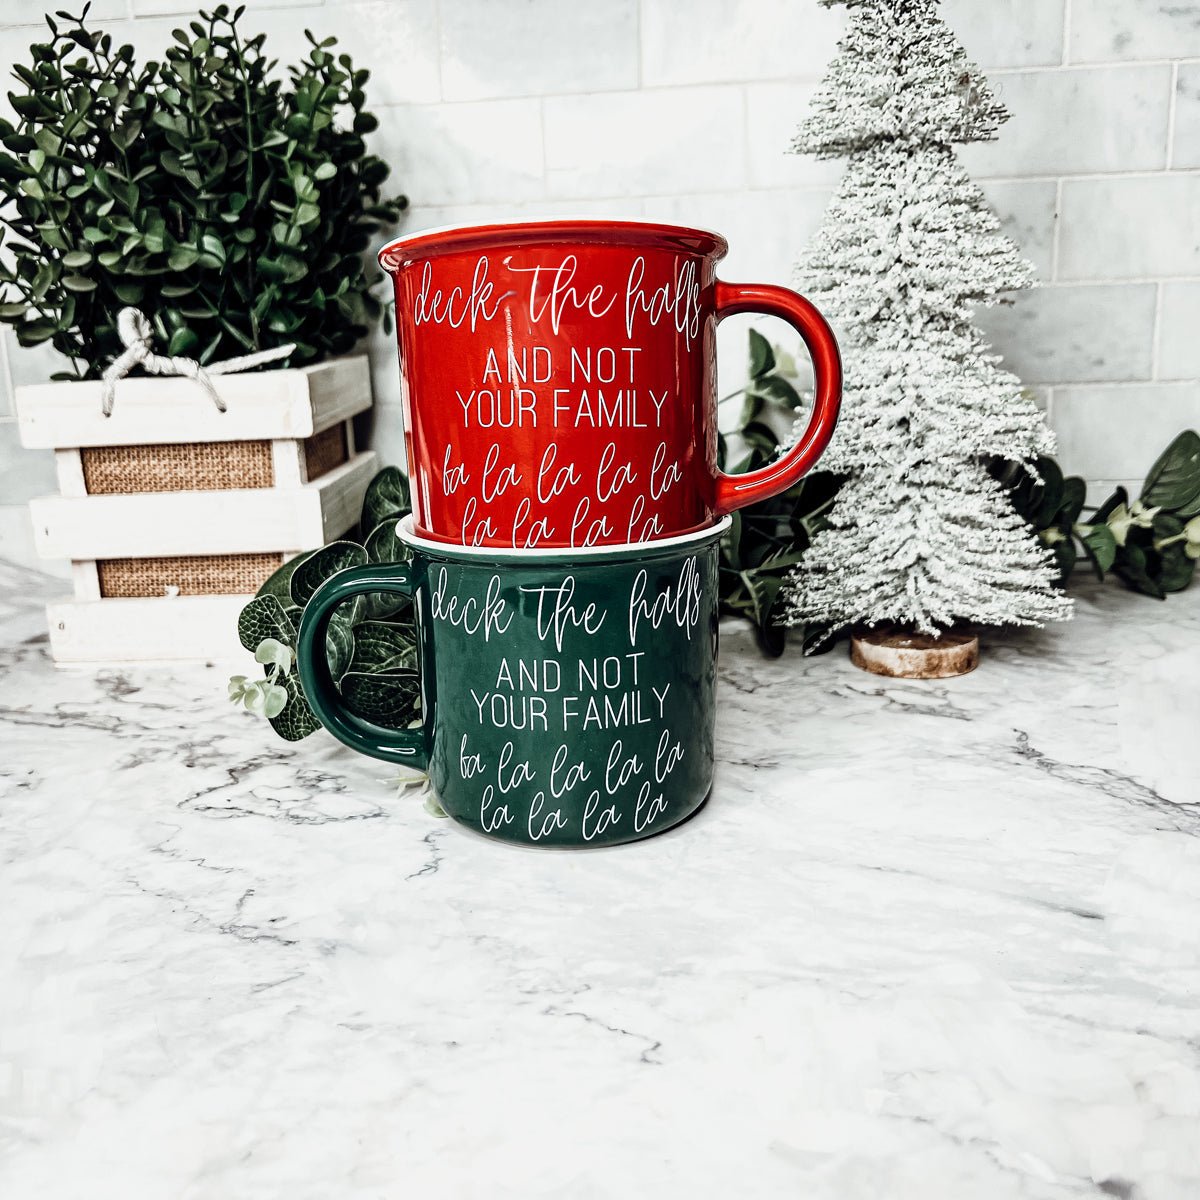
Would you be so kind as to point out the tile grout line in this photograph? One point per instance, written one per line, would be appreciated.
(545, 155)
(1066, 50)
(437, 38)
(1091, 176)
(1156, 335)
(1171, 105)
(747, 158)
(1112, 385)
(1056, 235)
(641, 70)
(983, 180)
(6, 368)
(1056, 68)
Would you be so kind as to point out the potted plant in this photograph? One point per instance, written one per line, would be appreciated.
(232, 207)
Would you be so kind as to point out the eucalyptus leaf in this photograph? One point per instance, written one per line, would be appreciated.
(297, 720)
(278, 583)
(771, 638)
(383, 545)
(1174, 480)
(761, 437)
(274, 653)
(264, 617)
(390, 699)
(1131, 565)
(777, 389)
(381, 646)
(731, 543)
(1176, 568)
(339, 644)
(752, 406)
(1074, 494)
(1100, 545)
(387, 496)
(1119, 497)
(1049, 495)
(323, 564)
(1065, 556)
(762, 357)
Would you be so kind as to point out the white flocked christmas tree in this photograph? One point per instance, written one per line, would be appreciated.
(920, 536)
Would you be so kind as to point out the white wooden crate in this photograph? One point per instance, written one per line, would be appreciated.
(289, 403)
(152, 524)
(173, 530)
(166, 629)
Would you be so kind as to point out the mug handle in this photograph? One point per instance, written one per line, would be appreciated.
(408, 746)
(736, 491)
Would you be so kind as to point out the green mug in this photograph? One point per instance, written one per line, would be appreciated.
(567, 696)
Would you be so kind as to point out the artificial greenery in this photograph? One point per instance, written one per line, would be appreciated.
(371, 644)
(231, 207)
(1152, 543)
(768, 538)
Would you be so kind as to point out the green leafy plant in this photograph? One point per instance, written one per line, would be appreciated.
(768, 538)
(1151, 543)
(231, 207)
(371, 643)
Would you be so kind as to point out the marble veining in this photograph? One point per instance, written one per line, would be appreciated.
(924, 940)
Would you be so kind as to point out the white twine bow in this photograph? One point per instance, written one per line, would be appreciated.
(136, 333)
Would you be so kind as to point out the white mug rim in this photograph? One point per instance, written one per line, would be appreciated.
(558, 554)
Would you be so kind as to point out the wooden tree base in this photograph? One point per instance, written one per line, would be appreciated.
(904, 654)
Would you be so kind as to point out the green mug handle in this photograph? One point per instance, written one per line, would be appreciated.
(407, 746)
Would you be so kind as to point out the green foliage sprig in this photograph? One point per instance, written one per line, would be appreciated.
(371, 643)
(768, 538)
(232, 208)
(1152, 543)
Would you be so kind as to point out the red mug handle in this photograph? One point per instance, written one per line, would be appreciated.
(736, 491)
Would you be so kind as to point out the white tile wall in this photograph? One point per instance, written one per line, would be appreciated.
(773, 110)
(1008, 33)
(764, 229)
(1078, 333)
(1130, 227)
(1179, 331)
(646, 142)
(1116, 431)
(682, 110)
(1185, 144)
(1122, 30)
(538, 48)
(1027, 210)
(187, 9)
(708, 41)
(487, 151)
(19, 13)
(1070, 122)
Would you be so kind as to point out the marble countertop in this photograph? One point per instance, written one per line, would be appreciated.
(925, 940)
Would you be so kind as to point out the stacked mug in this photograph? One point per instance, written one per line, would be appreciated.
(560, 421)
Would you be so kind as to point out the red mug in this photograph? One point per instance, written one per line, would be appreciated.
(558, 381)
